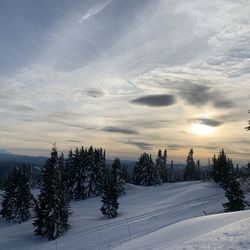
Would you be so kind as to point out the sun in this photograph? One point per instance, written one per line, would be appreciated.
(202, 129)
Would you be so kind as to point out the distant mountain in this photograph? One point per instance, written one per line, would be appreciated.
(8, 161)
(4, 151)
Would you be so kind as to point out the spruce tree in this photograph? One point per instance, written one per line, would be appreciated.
(17, 197)
(234, 194)
(52, 209)
(110, 196)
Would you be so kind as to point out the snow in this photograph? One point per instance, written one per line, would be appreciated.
(170, 216)
(202, 231)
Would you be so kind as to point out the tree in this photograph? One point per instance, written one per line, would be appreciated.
(17, 197)
(222, 167)
(79, 179)
(198, 170)
(171, 175)
(148, 171)
(118, 175)
(234, 194)
(110, 196)
(52, 208)
(190, 173)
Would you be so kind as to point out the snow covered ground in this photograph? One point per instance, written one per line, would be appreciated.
(159, 217)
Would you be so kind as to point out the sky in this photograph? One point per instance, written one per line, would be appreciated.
(129, 76)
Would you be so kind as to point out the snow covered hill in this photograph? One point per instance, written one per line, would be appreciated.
(159, 217)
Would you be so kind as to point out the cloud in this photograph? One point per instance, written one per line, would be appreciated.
(140, 145)
(196, 94)
(73, 141)
(155, 100)
(120, 130)
(94, 10)
(95, 93)
(209, 122)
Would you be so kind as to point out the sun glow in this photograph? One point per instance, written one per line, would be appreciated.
(202, 129)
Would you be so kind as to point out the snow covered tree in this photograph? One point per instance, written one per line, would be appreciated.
(110, 196)
(17, 197)
(52, 208)
(118, 174)
(234, 194)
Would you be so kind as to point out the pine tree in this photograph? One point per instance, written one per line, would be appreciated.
(110, 196)
(17, 197)
(234, 194)
(52, 209)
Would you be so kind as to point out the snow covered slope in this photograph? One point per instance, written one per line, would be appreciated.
(149, 218)
(220, 231)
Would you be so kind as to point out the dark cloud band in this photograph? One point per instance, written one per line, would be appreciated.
(155, 100)
(120, 130)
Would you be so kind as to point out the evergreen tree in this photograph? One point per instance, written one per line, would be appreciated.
(171, 176)
(70, 174)
(79, 188)
(110, 196)
(158, 168)
(99, 169)
(118, 175)
(198, 171)
(222, 167)
(190, 173)
(52, 209)
(148, 171)
(90, 174)
(17, 197)
(137, 175)
(234, 194)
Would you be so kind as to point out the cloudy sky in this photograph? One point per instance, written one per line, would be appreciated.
(130, 76)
